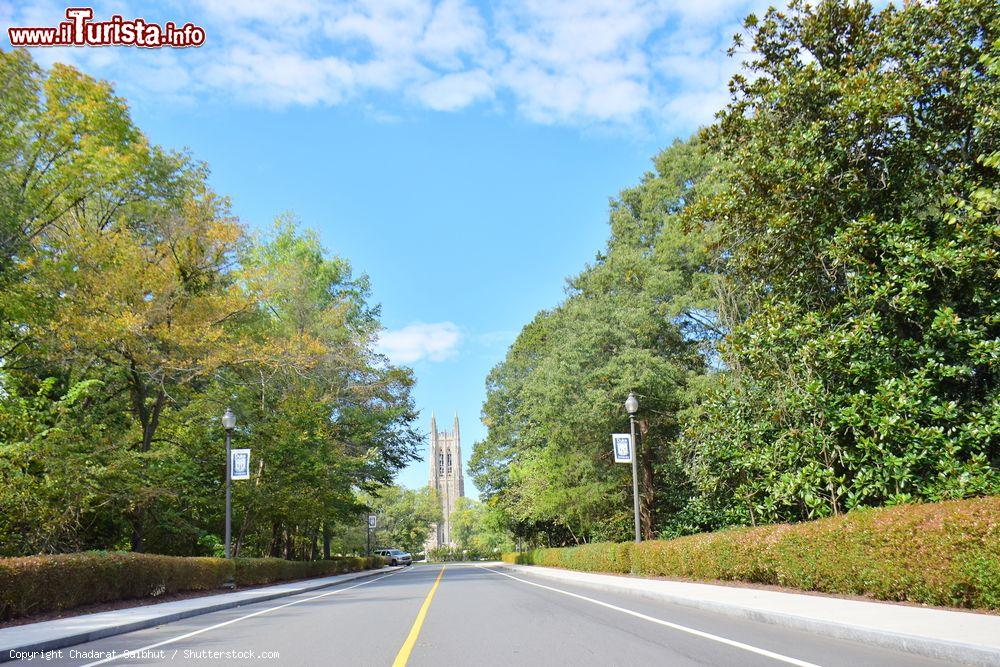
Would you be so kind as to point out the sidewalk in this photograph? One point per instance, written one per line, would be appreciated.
(955, 636)
(50, 635)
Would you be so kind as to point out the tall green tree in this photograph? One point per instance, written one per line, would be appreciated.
(860, 229)
(404, 517)
(479, 530)
(829, 247)
(133, 310)
(634, 320)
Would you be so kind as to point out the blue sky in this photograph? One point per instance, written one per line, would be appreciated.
(460, 154)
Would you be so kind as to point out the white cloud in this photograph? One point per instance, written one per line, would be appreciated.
(455, 91)
(455, 29)
(420, 341)
(576, 62)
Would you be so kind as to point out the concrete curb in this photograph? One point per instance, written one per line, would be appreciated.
(952, 651)
(71, 637)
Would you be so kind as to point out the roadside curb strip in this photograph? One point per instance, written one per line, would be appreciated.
(74, 637)
(941, 649)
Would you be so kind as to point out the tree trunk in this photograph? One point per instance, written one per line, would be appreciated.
(148, 417)
(244, 526)
(646, 483)
(326, 542)
(138, 518)
(275, 548)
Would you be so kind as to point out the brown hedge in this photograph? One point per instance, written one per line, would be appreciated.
(941, 553)
(41, 584)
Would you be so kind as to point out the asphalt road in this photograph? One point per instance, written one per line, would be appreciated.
(468, 615)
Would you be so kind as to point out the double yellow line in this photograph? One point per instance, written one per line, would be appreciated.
(411, 639)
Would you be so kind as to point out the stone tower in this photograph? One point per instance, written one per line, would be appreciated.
(445, 460)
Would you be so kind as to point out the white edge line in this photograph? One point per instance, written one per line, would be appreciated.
(132, 652)
(675, 626)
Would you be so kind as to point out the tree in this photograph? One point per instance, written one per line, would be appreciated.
(477, 530)
(633, 321)
(133, 310)
(860, 226)
(829, 248)
(405, 517)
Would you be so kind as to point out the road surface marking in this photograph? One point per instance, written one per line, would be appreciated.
(675, 626)
(404, 652)
(131, 652)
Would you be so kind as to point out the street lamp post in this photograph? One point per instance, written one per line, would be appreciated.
(632, 407)
(229, 423)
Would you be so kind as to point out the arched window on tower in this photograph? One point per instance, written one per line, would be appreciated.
(440, 463)
(449, 463)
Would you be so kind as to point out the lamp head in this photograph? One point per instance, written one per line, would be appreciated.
(229, 420)
(631, 404)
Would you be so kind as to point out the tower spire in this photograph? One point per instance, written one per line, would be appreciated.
(446, 478)
(432, 450)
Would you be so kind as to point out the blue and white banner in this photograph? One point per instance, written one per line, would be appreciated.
(622, 444)
(239, 464)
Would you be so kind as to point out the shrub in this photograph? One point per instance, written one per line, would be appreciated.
(596, 557)
(454, 555)
(39, 584)
(943, 553)
(251, 571)
(36, 584)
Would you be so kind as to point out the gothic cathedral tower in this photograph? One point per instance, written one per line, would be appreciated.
(445, 459)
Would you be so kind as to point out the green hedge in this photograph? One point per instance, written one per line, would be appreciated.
(40, 584)
(456, 555)
(250, 571)
(942, 553)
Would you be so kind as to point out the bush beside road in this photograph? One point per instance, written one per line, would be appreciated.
(944, 553)
(40, 584)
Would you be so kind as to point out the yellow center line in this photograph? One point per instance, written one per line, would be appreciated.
(411, 639)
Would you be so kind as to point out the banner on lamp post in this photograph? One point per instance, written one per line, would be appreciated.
(239, 464)
(622, 446)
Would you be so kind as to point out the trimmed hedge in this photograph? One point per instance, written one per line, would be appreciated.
(40, 584)
(455, 555)
(250, 571)
(942, 553)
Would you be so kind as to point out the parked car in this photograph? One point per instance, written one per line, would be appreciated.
(395, 556)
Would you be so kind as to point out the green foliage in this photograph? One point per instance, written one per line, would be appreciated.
(405, 517)
(597, 557)
(38, 584)
(454, 555)
(133, 310)
(478, 530)
(860, 230)
(830, 248)
(254, 571)
(630, 323)
(944, 553)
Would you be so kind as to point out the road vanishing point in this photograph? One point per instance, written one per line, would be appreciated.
(467, 614)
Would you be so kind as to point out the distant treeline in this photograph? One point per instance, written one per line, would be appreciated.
(805, 297)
